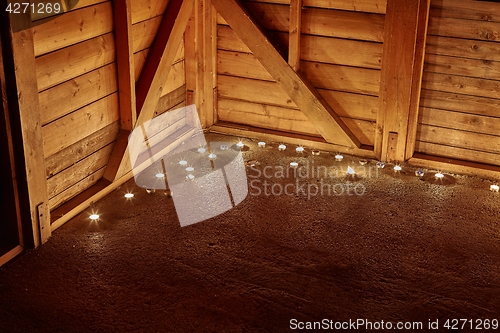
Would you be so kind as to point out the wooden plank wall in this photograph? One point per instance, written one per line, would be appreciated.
(460, 103)
(77, 83)
(341, 50)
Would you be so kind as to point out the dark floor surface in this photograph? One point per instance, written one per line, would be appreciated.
(408, 249)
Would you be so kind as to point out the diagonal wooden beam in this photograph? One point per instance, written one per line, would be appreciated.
(328, 123)
(160, 59)
(156, 69)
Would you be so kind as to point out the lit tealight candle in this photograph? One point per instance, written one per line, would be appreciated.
(339, 157)
(494, 188)
(281, 147)
(299, 149)
(261, 144)
(294, 164)
(439, 175)
(380, 165)
(419, 173)
(129, 195)
(189, 169)
(240, 144)
(363, 162)
(94, 217)
(150, 190)
(315, 152)
(397, 168)
(212, 156)
(183, 162)
(159, 175)
(201, 150)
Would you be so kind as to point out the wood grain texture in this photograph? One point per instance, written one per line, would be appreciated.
(294, 32)
(460, 121)
(171, 100)
(36, 17)
(265, 116)
(457, 153)
(78, 125)
(20, 73)
(461, 85)
(75, 190)
(297, 87)
(343, 24)
(241, 64)
(79, 171)
(145, 9)
(460, 139)
(465, 48)
(368, 6)
(342, 78)
(466, 9)
(73, 27)
(340, 51)
(227, 39)
(143, 33)
(80, 149)
(467, 29)
(349, 105)
(264, 92)
(400, 81)
(83, 90)
(483, 69)
(65, 64)
(460, 103)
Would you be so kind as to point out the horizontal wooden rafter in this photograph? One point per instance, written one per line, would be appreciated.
(328, 123)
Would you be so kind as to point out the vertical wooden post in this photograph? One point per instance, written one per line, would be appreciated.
(210, 62)
(25, 113)
(200, 56)
(125, 63)
(294, 34)
(190, 59)
(418, 69)
(402, 63)
(126, 84)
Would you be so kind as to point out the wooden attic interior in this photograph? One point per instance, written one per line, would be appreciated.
(412, 82)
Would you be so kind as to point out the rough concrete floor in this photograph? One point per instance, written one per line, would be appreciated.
(408, 249)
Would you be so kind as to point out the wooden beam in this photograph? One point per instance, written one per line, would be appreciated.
(11, 165)
(161, 57)
(294, 34)
(126, 83)
(314, 142)
(210, 63)
(402, 64)
(125, 63)
(418, 70)
(199, 46)
(17, 37)
(11, 254)
(159, 63)
(328, 123)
